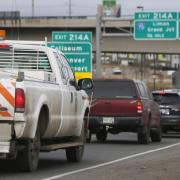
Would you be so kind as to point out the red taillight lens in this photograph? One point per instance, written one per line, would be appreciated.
(139, 106)
(4, 46)
(20, 100)
(162, 93)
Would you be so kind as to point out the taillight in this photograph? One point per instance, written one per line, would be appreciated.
(4, 46)
(139, 106)
(162, 93)
(19, 100)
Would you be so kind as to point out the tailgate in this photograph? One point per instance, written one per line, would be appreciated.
(114, 107)
(7, 99)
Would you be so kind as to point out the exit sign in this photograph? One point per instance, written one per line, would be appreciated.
(78, 54)
(72, 37)
(77, 47)
(155, 25)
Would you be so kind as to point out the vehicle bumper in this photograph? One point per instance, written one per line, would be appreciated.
(172, 122)
(4, 147)
(121, 123)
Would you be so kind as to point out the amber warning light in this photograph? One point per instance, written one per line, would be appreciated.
(2, 34)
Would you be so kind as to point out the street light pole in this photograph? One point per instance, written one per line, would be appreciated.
(70, 8)
(32, 8)
(98, 45)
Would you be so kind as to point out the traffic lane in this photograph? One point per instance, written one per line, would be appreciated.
(117, 146)
(159, 165)
(55, 163)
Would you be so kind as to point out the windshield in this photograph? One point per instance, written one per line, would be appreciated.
(114, 89)
(166, 98)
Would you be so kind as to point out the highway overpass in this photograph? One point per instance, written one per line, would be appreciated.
(117, 35)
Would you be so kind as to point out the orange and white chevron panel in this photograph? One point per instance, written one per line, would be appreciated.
(7, 99)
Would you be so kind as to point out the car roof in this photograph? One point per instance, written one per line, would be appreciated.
(168, 91)
(116, 80)
(33, 45)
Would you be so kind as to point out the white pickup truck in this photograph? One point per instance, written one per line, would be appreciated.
(42, 108)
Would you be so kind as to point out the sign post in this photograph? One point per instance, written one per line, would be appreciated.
(178, 25)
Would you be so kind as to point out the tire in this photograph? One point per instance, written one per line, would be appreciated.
(156, 135)
(28, 157)
(144, 136)
(101, 135)
(75, 154)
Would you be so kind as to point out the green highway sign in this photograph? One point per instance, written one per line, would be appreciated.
(155, 16)
(78, 54)
(77, 47)
(155, 26)
(155, 30)
(61, 36)
(109, 3)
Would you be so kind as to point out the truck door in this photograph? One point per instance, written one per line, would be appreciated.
(69, 100)
(75, 98)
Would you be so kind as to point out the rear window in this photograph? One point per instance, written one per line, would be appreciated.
(110, 89)
(166, 98)
(26, 59)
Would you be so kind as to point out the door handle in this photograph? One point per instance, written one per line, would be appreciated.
(71, 97)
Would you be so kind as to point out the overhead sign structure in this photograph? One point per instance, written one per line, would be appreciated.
(155, 25)
(77, 47)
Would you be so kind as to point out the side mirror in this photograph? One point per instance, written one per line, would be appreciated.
(72, 82)
(85, 83)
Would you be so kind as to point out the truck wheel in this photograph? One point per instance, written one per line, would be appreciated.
(156, 135)
(144, 136)
(75, 154)
(28, 158)
(101, 135)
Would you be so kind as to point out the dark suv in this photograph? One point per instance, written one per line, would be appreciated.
(124, 106)
(169, 103)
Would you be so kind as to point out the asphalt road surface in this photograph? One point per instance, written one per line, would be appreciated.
(102, 161)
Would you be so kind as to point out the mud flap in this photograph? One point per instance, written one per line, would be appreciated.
(5, 138)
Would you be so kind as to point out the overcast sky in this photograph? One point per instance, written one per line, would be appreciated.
(83, 7)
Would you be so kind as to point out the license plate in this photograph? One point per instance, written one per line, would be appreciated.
(164, 111)
(108, 120)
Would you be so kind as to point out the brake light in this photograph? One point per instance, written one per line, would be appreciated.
(162, 93)
(139, 106)
(19, 100)
(4, 46)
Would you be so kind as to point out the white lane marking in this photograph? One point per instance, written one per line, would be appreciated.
(110, 162)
